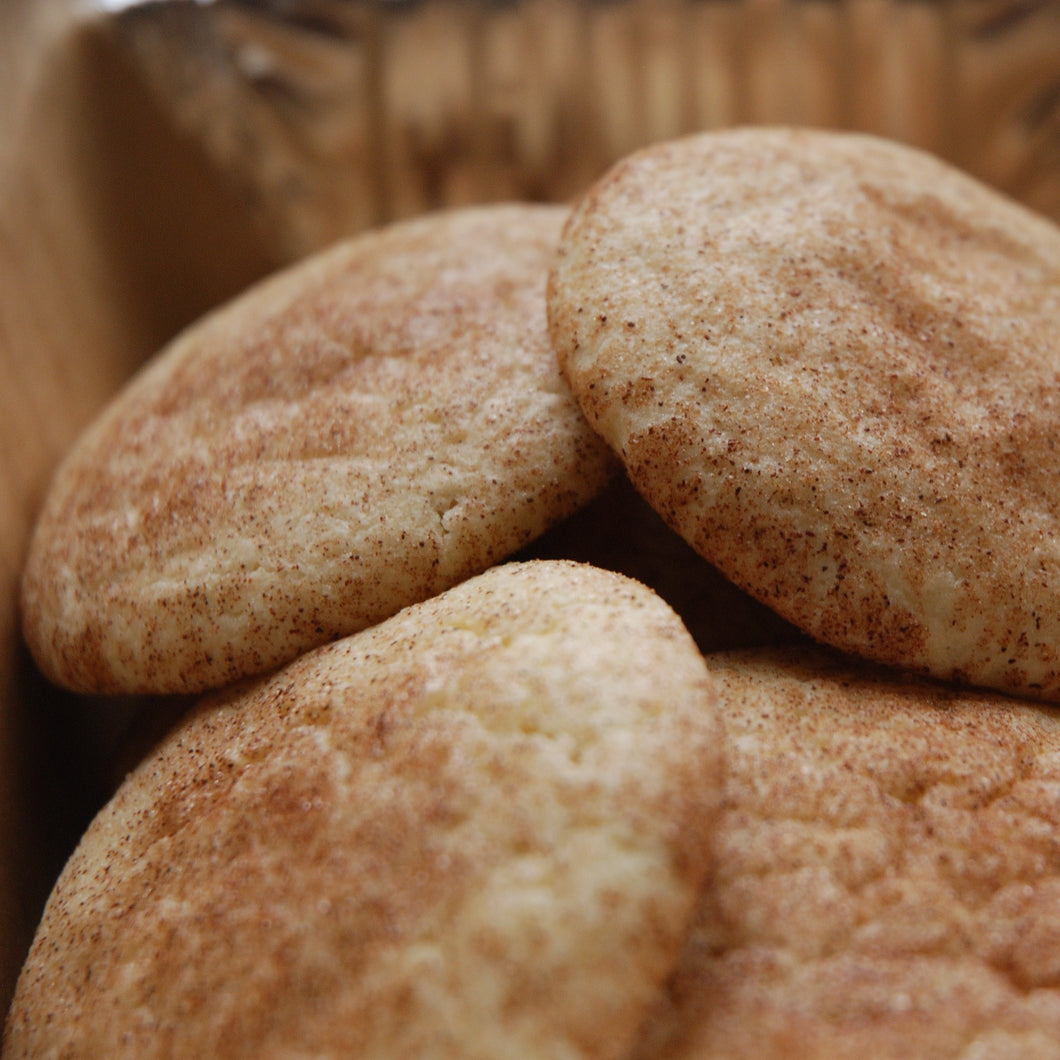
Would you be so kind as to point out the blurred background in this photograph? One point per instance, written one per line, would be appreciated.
(328, 115)
(155, 158)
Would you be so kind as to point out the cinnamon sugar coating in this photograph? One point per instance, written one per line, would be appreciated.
(887, 874)
(477, 829)
(362, 431)
(832, 363)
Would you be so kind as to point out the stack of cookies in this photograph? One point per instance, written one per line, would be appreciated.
(622, 630)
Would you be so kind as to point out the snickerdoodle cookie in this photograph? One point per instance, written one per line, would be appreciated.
(887, 874)
(362, 431)
(477, 829)
(833, 364)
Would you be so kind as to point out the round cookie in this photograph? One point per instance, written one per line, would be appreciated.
(475, 830)
(886, 876)
(355, 434)
(832, 363)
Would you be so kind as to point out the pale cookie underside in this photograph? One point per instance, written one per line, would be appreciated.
(477, 829)
(354, 435)
(887, 874)
(832, 363)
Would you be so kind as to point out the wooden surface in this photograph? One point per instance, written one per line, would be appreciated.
(331, 115)
(112, 235)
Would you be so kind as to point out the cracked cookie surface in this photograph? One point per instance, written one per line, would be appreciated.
(365, 429)
(477, 829)
(886, 874)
